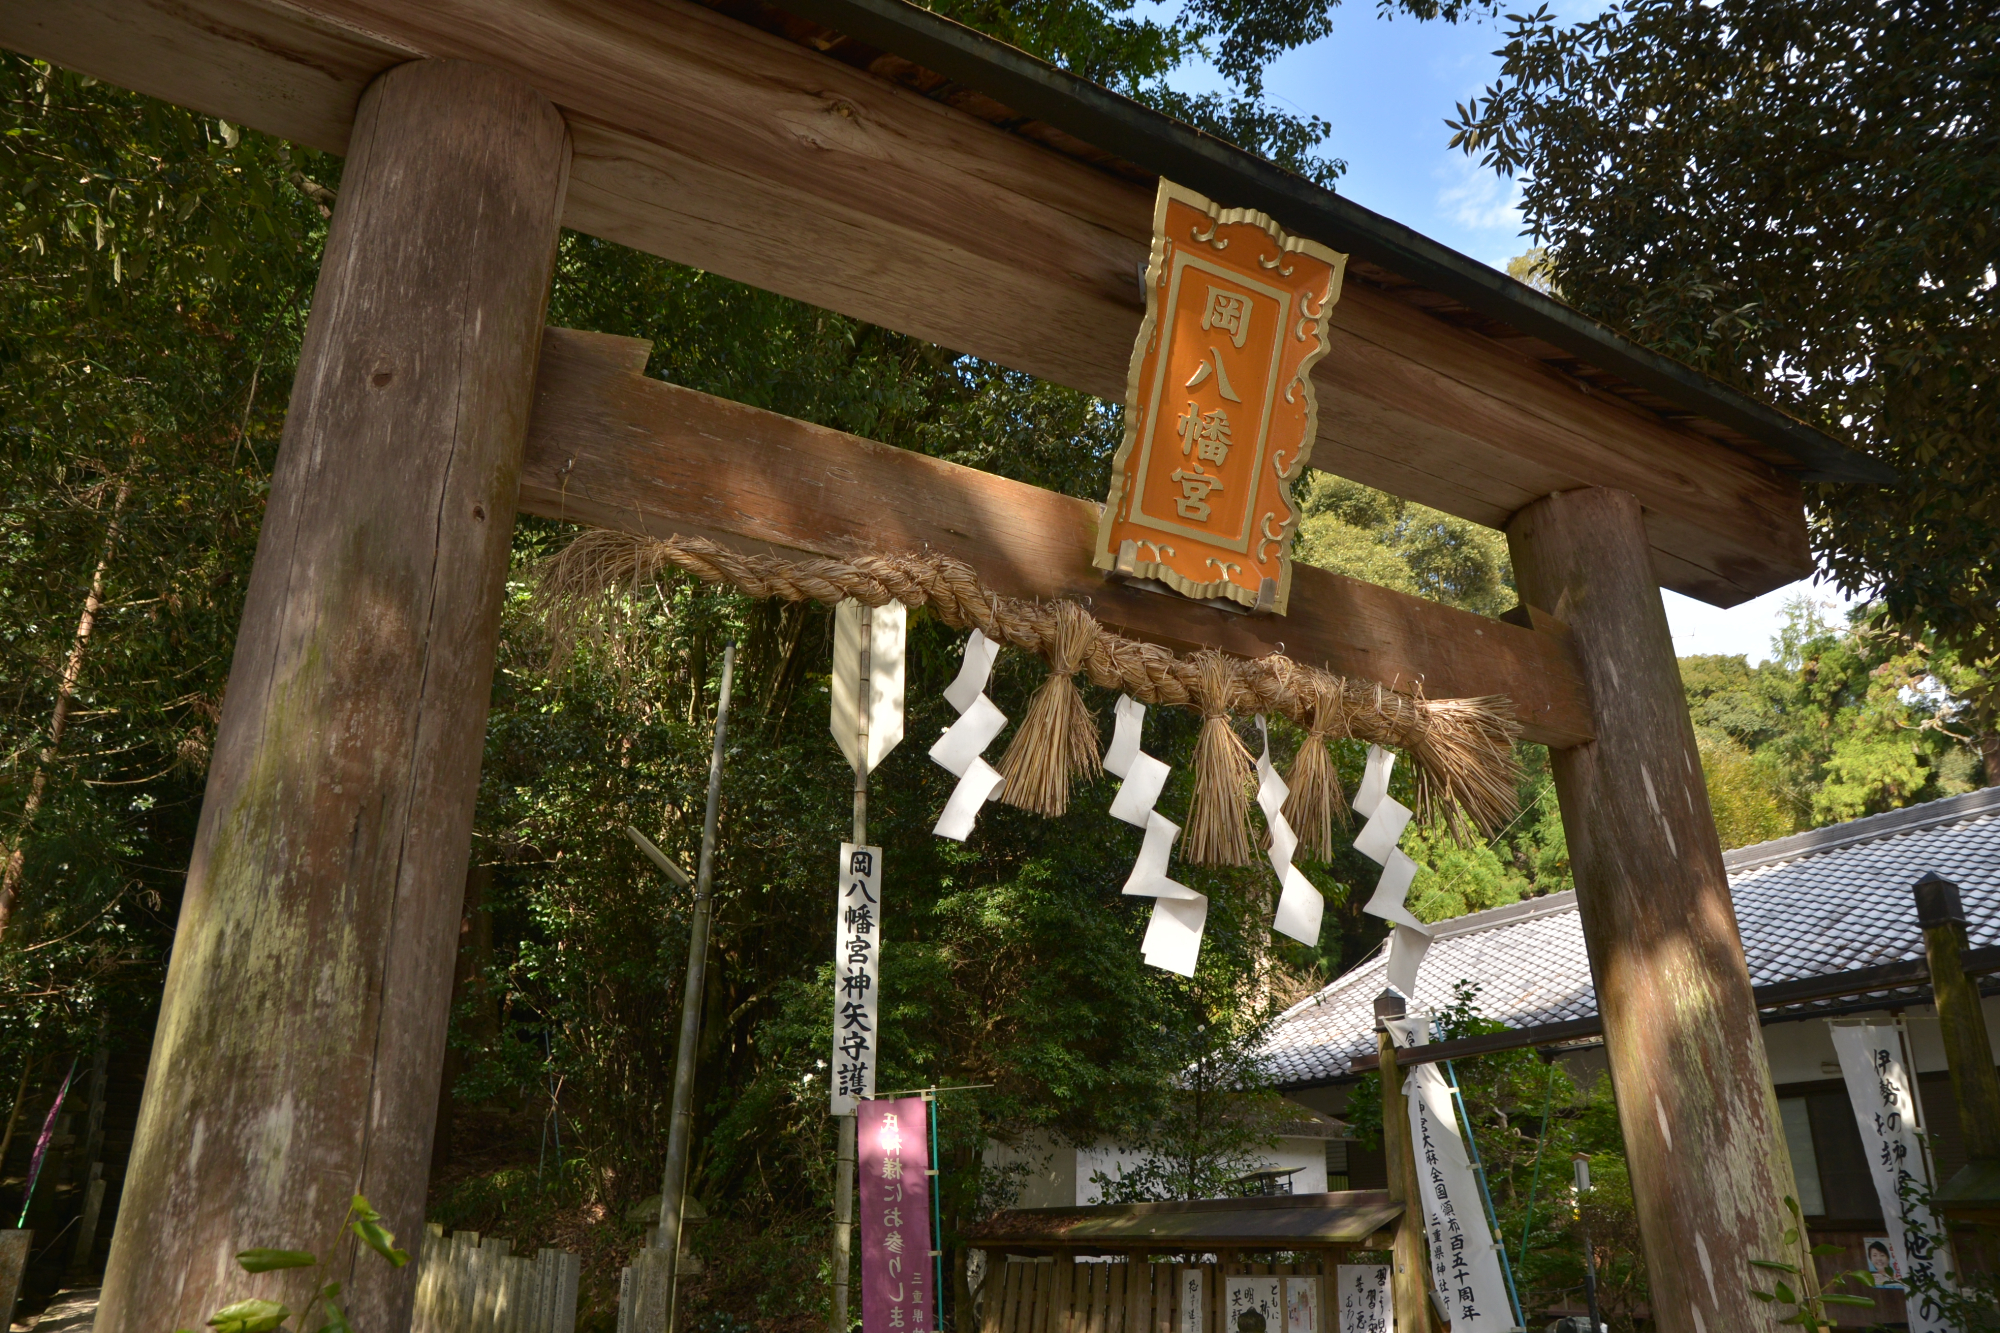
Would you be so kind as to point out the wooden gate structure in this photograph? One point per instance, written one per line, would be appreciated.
(876, 160)
(1035, 1284)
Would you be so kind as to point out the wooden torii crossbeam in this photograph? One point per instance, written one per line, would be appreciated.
(875, 160)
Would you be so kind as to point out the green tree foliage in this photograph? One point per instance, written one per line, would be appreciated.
(1847, 721)
(1530, 1118)
(155, 275)
(1216, 1121)
(1368, 534)
(1796, 198)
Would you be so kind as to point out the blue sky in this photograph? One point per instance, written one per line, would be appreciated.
(1387, 86)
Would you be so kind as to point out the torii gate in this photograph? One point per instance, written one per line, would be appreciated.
(871, 158)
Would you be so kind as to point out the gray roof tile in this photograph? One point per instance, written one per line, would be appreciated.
(1825, 901)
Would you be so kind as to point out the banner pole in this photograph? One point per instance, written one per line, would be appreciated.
(937, 1220)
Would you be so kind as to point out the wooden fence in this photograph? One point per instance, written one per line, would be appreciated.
(466, 1286)
(1065, 1295)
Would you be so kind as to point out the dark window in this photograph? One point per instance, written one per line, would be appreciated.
(1845, 1184)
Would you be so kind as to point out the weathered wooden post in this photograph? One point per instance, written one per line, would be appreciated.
(302, 1029)
(1409, 1276)
(1973, 1194)
(1709, 1166)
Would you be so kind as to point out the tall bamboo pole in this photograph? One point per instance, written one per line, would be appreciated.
(673, 1186)
(93, 602)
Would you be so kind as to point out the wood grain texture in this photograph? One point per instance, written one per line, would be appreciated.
(302, 1029)
(1409, 1276)
(718, 145)
(612, 448)
(1700, 1120)
(1975, 1085)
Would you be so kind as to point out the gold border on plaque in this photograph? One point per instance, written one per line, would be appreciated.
(1270, 497)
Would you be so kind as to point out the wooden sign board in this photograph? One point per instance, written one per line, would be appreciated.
(1220, 416)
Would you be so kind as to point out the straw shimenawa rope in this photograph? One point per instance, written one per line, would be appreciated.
(1058, 736)
(1460, 749)
(1316, 797)
(1218, 831)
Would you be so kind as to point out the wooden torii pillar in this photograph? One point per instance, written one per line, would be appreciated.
(1703, 1141)
(301, 1036)
(896, 168)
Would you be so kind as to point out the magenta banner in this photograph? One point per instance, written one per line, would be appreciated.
(894, 1143)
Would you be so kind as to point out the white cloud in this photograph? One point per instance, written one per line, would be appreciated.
(1477, 198)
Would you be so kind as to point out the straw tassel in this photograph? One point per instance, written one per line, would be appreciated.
(1462, 750)
(1058, 736)
(1316, 797)
(1218, 820)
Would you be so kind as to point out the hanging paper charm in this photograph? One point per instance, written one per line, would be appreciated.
(1173, 937)
(959, 749)
(1387, 818)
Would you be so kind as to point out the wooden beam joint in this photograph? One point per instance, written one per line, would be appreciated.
(609, 447)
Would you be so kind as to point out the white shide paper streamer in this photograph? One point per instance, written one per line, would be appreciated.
(1173, 936)
(1387, 818)
(1300, 905)
(965, 740)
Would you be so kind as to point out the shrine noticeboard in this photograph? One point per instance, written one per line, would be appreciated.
(1219, 408)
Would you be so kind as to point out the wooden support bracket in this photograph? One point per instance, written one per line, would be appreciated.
(611, 448)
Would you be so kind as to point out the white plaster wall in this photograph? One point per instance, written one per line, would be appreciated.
(1046, 1175)
(1056, 1175)
(1802, 1052)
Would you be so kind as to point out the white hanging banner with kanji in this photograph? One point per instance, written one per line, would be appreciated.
(1466, 1277)
(857, 973)
(1878, 1084)
(1363, 1297)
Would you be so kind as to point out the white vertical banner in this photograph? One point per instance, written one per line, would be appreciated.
(1190, 1293)
(1871, 1063)
(1465, 1261)
(1363, 1298)
(857, 973)
(1302, 1303)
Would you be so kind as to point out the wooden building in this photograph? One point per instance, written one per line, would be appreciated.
(1830, 929)
(1166, 1267)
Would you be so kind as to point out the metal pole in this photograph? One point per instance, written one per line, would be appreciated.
(937, 1221)
(1582, 1163)
(673, 1185)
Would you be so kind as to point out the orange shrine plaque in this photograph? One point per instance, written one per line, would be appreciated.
(1219, 409)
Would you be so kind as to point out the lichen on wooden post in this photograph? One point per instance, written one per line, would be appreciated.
(1706, 1150)
(301, 1033)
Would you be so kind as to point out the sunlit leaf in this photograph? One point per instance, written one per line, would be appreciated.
(251, 1316)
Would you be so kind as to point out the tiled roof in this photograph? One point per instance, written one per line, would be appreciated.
(1830, 900)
